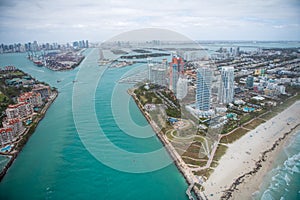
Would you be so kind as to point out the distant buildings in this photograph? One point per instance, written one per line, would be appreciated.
(35, 46)
(203, 88)
(80, 44)
(226, 90)
(249, 82)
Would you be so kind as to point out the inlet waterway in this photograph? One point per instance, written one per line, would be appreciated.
(55, 164)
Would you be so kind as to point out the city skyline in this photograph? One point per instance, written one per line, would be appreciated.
(23, 21)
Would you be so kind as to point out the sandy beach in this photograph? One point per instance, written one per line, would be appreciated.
(243, 155)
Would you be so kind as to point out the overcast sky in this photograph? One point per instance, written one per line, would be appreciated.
(98, 20)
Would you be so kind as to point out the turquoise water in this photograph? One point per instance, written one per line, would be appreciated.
(55, 164)
(3, 161)
(283, 181)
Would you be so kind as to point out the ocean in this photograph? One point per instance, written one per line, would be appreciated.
(283, 181)
(55, 164)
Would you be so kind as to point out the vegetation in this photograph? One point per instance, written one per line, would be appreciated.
(254, 123)
(205, 173)
(281, 106)
(221, 150)
(237, 134)
(194, 162)
(173, 112)
(25, 138)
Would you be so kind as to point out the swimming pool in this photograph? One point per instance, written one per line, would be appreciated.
(247, 109)
(7, 148)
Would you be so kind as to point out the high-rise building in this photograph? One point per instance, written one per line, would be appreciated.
(157, 74)
(203, 90)
(226, 92)
(249, 82)
(182, 87)
(176, 68)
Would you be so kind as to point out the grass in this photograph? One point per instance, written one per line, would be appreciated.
(3, 98)
(247, 117)
(205, 173)
(199, 139)
(237, 134)
(214, 164)
(17, 73)
(143, 100)
(221, 150)
(192, 151)
(281, 107)
(169, 135)
(194, 162)
(254, 123)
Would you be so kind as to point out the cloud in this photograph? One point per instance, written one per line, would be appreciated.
(95, 19)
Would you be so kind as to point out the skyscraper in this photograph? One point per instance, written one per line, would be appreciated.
(176, 68)
(226, 92)
(182, 88)
(157, 74)
(203, 90)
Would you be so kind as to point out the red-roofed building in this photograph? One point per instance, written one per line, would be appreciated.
(20, 110)
(6, 136)
(34, 98)
(44, 90)
(16, 125)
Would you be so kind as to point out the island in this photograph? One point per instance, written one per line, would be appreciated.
(23, 103)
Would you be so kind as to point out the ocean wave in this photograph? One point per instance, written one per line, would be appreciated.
(283, 180)
(267, 195)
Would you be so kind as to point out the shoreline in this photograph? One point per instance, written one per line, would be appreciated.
(180, 164)
(248, 157)
(241, 168)
(252, 183)
(29, 132)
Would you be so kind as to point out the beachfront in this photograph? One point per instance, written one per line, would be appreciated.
(242, 156)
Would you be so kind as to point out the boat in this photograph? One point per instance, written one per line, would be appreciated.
(38, 63)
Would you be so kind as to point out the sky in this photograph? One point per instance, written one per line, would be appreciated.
(99, 20)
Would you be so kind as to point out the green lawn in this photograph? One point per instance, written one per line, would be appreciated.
(3, 98)
(281, 107)
(206, 173)
(221, 150)
(237, 134)
(254, 123)
(194, 162)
